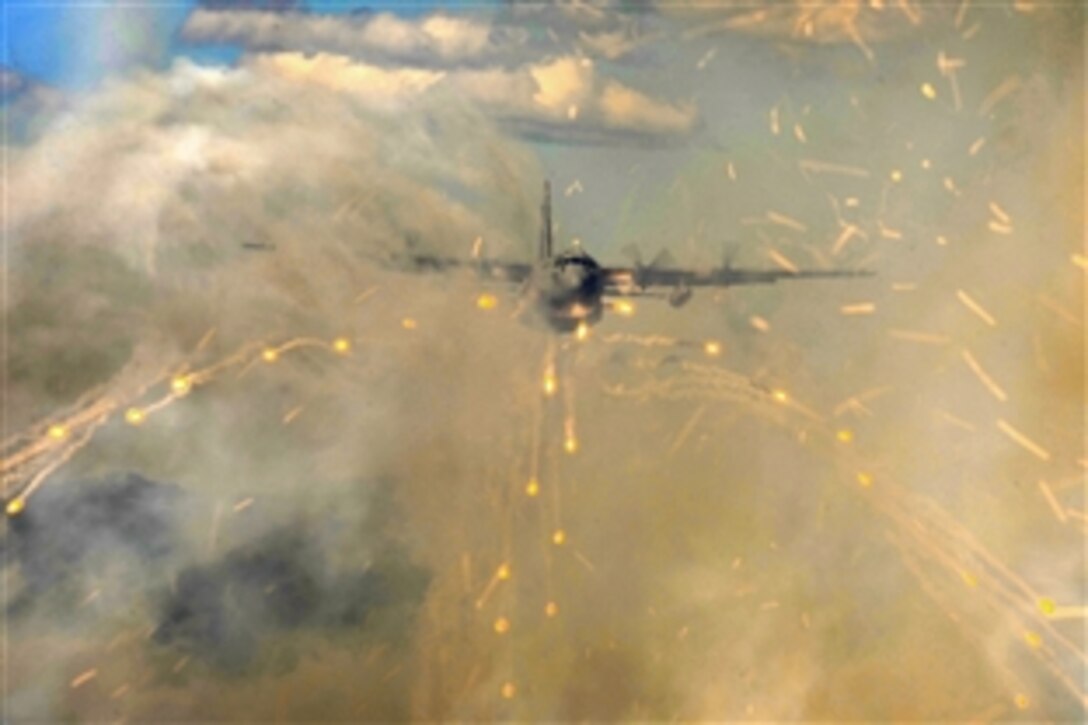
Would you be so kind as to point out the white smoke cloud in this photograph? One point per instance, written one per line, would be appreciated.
(441, 39)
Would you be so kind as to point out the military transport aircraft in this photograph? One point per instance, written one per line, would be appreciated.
(571, 290)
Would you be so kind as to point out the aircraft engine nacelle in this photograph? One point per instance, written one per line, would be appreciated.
(679, 296)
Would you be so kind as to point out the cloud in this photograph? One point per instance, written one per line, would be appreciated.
(11, 82)
(512, 63)
(432, 40)
(558, 97)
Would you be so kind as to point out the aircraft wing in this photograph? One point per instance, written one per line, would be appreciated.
(641, 280)
(513, 272)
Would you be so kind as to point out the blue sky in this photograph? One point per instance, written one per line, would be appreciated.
(73, 45)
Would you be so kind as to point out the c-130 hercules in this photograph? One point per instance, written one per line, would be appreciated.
(571, 290)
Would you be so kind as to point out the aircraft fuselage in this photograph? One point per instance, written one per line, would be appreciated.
(568, 290)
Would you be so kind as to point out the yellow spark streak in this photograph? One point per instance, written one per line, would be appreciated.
(888, 232)
(983, 376)
(365, 294)
(731, 170)
(799, 133)
(134, 416)
(1080, 260)
(1047, 606)
(291, 415)
(712, 348)
(1069, 613)
(942, 240)
(341, 345)
(84, 678)
(865, 480)
(623, 307)
(1023, 440)
(845, 435)
(532, 488)
(910, 11)
(509, 690)
(1059, 512)
(243, 505)
(689, 426)
(861, 308)
(119, 692)
(478, 244)
(551, 609)
(926, 164)
(826, 167)
(954, 420)
(1058, 310)
(961, 12)
(976, 146)
(849, 231)
(786, 221)
(584, 561)
(780, 396)
(559, 537)
(270, 355)
(1033, 639)
(551, 384)
(581, 333)
(70, 450)
(159, 405)
(925, 338)
(896, 175)
(1007, 86)
(975, 307)
(759, 323)
(181, 385)
(502, 625)
(487, 301)
(205, 340)
(929, 91)
(570, 444)
(774, 120)
(1000, 213)
(15, 506)
(502, 574)
(57, 432)
(408, 323)
(782, 261)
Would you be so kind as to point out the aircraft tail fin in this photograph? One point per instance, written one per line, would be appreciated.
(545, 250)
